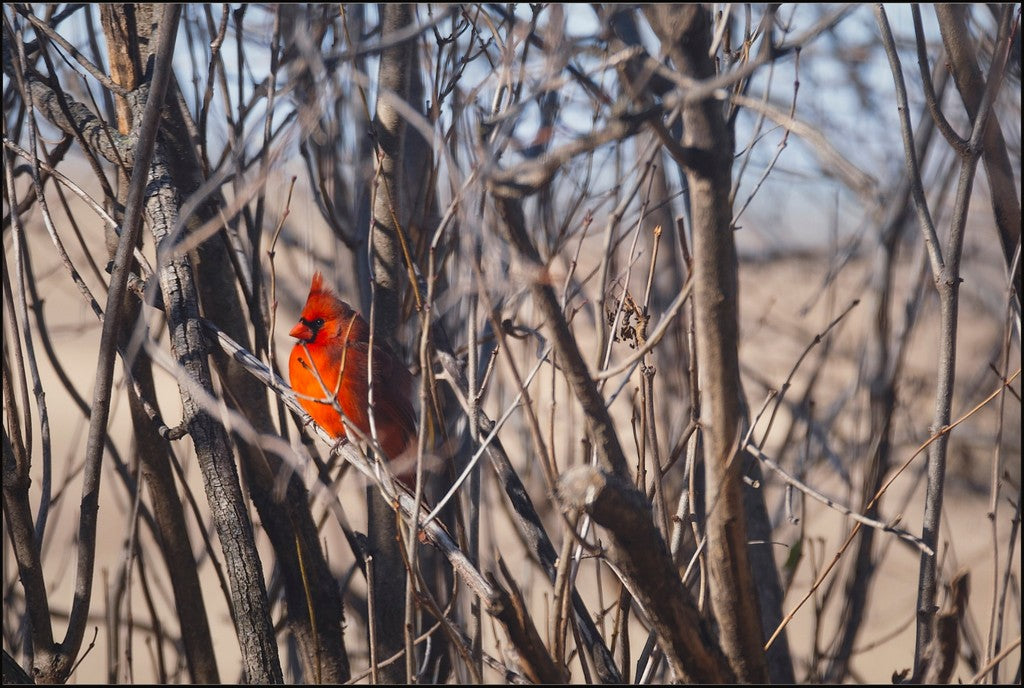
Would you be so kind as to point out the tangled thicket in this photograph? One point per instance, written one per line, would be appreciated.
(630, 468)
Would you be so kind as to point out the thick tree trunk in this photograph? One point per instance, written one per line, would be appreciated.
(122, 34)
(686, 37)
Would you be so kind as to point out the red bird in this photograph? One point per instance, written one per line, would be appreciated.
(338, 341)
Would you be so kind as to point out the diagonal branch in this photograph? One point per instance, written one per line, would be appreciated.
(599, 421)
(528, 521)
(640, 557)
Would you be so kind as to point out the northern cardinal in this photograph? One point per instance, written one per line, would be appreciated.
(338, 341)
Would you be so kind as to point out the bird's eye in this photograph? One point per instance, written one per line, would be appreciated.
(318, 323)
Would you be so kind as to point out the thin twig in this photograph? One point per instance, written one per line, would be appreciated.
(934, 108)
(846, 511)
(992, 663)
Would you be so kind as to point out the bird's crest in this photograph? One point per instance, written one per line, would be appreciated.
(318, 283)
(322, 298)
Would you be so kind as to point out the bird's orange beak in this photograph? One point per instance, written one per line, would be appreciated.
(301, 331)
